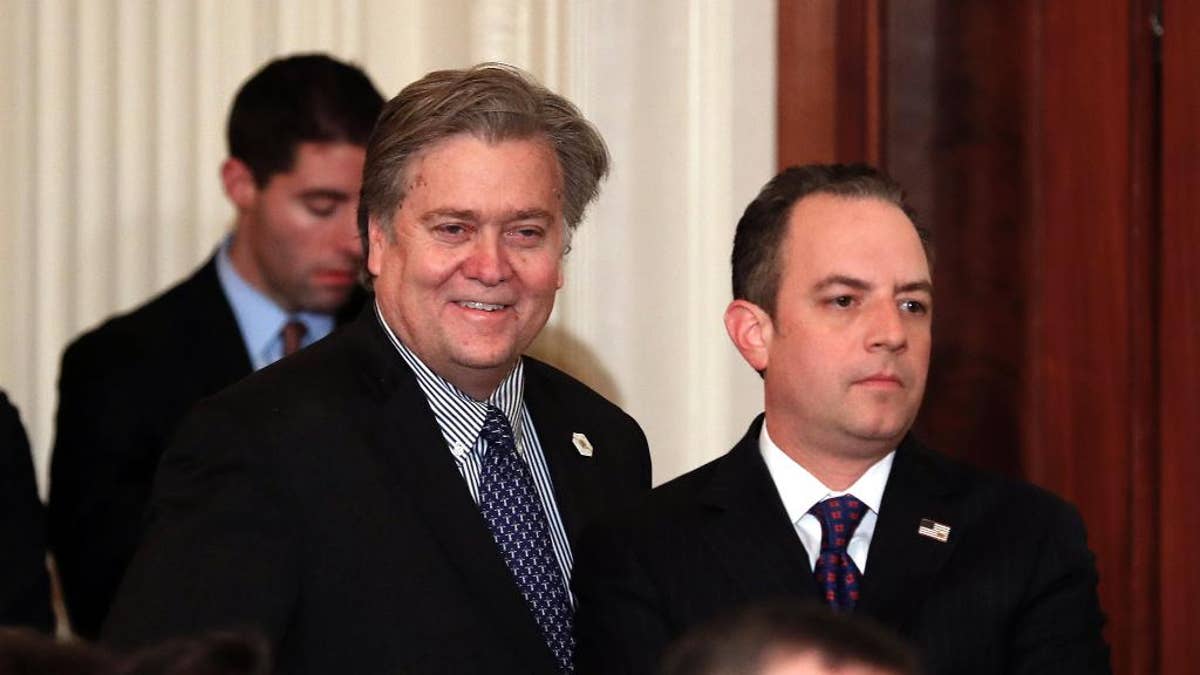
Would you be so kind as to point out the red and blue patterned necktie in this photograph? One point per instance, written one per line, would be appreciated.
(836, 573)
(513, 510)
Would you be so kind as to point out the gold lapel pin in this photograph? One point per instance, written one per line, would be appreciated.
(582, 444)
(934, 530)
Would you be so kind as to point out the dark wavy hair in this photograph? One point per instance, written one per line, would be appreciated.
(302, 98)
(760, 232)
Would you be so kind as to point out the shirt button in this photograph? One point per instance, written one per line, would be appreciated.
(459, 449)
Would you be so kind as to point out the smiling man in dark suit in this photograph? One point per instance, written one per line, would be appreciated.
(405, 496)
(828, 496)
(281, 280)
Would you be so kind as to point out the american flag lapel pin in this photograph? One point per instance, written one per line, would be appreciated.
(934, 530)
(582, 444)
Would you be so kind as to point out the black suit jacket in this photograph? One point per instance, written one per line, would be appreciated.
(24, 584)
(124, 387)
(1012, 591)
(317, 501)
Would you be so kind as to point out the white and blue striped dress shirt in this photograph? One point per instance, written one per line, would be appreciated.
(460, 418)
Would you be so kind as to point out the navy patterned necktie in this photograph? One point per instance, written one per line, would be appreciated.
(510, 504)
(836, 573)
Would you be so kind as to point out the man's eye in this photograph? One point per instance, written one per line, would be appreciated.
(842, 301)
(913, 306)
(321, 208)
(525, 235)
(451, 230)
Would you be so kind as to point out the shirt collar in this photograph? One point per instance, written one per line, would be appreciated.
(800, 490)
(259, 319)
(459, 416)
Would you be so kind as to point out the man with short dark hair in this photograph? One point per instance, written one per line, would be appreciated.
(405, 496)
(280, 281)
(828, 496)
(788, 638)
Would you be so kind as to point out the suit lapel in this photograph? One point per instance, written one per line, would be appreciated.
(902, 564)
(216, 331)
(406, 442)
(576, 495)
(752, 537)
(751, 534)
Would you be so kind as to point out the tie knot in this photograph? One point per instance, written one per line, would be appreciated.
(839, 517)
(293, 332)
(497, 431)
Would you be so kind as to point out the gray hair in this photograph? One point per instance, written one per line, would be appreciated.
(495, 102)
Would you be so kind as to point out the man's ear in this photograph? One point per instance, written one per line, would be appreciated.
(751, 330)
(238, 181)
(377, 239)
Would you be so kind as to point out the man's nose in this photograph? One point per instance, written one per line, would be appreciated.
(488, 259)
(886, 329)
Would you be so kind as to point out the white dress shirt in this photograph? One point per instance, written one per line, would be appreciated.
(800, 490)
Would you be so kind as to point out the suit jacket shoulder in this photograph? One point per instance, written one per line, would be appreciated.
(123, 388)
(1015, 567)
(1011, 589)
(125, 385)
(596, 451)
(333, 518)
(705, 543)
(192, 319)
(24, 584)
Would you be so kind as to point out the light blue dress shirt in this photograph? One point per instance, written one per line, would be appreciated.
(260, 320)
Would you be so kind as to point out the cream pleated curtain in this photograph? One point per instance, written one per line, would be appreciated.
(112, 135)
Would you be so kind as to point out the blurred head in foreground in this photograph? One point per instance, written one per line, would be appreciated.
(789, 638)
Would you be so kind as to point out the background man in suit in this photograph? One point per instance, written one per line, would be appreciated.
(405, 495)
(24, 584)
(282, 278)
(828, 496)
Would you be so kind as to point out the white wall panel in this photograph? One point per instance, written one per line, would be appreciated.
(134, 95)
(174, 126)
(207, 142)
(53, 208)
(392, 41)
(91, 243)
(649, 279)
(114, 134)
(711, 155)
(17, 221)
